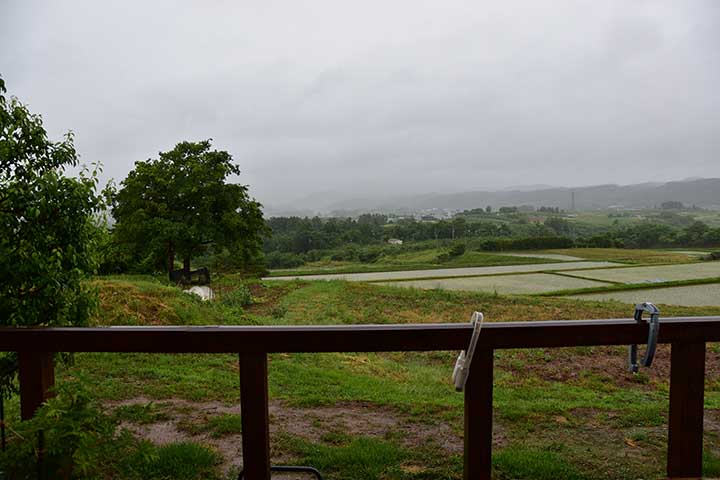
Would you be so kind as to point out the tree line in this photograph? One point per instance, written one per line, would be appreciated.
(296, 241)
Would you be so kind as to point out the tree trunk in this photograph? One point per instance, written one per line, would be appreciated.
(186, 265)
(170, 259)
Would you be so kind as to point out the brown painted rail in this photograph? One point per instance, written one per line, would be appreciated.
(687, 335)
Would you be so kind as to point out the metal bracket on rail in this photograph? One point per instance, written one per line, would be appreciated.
(289, 468)
(653, 330)
(462, 364)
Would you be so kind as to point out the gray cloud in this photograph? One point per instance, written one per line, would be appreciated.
(372, 97)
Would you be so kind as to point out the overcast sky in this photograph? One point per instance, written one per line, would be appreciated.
(369, 97)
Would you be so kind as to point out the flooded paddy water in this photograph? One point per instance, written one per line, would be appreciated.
(448, 272)
(512, 284)
(689, 296)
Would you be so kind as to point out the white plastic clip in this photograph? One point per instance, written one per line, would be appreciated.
(464, 360)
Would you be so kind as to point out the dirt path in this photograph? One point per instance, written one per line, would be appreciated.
(311, 424)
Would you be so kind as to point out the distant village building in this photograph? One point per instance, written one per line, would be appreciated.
(395, 241)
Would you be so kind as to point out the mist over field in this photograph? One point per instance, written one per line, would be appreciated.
(703, 192)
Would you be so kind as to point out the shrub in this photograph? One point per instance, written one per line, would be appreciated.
(526, 243)
(369, 255)
(346, 254)
(283, 260)
(232, 301)
(81, 442)
(457, 250)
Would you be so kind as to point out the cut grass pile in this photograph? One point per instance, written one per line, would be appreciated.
(559, 413)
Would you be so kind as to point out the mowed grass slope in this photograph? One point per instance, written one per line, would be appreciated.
(560, 413)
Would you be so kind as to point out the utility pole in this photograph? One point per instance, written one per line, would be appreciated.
(572, 201)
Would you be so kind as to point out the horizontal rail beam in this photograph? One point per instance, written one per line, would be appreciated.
(354, 338)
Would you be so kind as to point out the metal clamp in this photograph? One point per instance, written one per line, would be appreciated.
(653, 330)
(289, 468)
(462, 364)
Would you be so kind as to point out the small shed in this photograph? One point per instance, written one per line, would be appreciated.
(394, 241)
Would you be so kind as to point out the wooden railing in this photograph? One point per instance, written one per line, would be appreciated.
(687, 336)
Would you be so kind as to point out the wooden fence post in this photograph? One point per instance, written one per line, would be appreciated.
(255, 419)
(37, 377)
(685, 425)
(478, 417)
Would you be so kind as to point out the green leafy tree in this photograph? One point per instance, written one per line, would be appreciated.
(47, 229)
(181, 203)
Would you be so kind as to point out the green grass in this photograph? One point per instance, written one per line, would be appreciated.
(359, 459)
(562, 412)
(224, 424)
(177, 461)
(711, 465)
(140, 413)
(529, 463)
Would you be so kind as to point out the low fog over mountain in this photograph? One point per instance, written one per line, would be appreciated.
(374, 100)
(704, 192)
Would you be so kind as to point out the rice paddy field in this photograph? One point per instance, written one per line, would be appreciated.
(504, 284)
(654, 274)
(679, 277)
(691, 295)
(448, 272)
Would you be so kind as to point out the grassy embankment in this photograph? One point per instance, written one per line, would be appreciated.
(559, 413)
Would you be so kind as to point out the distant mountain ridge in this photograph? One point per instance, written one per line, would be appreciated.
(703, 192)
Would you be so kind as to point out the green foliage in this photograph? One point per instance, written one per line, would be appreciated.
(559, 225)
(297, 241)
(234, 300)
(81, 442)
(370, 255)
(526, 243)
(47, 230)
(76, 435)
(456, 250)
(283, 260)
(180, 204)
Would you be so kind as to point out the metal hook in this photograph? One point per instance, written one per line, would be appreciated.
(653, 330)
